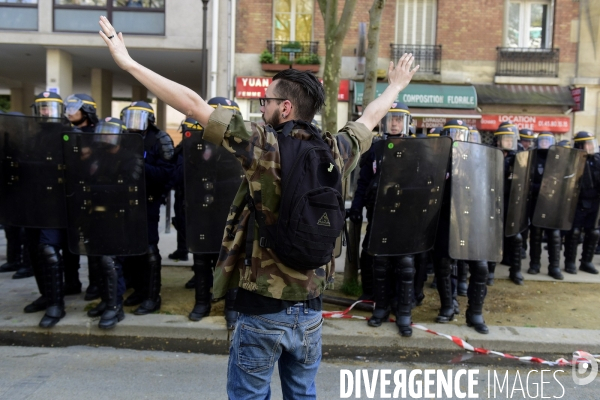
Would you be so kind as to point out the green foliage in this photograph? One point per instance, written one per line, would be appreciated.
(352, 288)
(266, 57)
(293, 45)
(311, 59)
(5, 103)
(283, 60)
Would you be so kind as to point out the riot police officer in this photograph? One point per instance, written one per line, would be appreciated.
(526, 138)
(587, 209)
(159, 165)
(544, 141)
(506, 140)
(395, 123)
(204, 263)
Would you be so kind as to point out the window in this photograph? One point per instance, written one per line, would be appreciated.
(143, 17)
(19, 1)
(529, 24)
(293, 20)
(19, 15)
(415, 22)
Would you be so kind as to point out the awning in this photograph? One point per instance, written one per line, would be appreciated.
(524, 95)
(443, 113)
(423, 95)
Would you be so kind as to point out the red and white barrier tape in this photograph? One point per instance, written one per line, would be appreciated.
(578, 356)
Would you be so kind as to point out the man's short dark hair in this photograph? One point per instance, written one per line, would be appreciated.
(303, 90)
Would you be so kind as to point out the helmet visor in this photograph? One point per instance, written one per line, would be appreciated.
(49, 109)
(474, 137)
(395, 123)
(544, 142)
(109, 127)
(73, 105)
(461, 134)
(136, 119)
(589, 146)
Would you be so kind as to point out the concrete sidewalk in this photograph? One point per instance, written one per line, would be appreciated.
(341, 338)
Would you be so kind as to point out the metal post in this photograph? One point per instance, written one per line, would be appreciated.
(204, 67)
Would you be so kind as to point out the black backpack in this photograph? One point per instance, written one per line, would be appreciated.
(312, 210)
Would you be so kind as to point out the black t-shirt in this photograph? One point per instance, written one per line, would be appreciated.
(247, 302)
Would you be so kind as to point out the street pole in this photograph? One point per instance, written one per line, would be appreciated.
(204, 61)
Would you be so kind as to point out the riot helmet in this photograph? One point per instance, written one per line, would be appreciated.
(190, 124)
(474, 135)
(84, 103)
(434, 132)
(509, 124)
(545, 140)
(587, 142)
(110, 129)
(138, 116)
(505, 138)
(48, 105)
(225, 103)
(564, 143)
(526, 138)
(456, 129)
(397, 120)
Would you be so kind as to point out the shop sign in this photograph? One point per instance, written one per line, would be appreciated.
(421, 95)
(579, 98)
(254, 87)
(535, 123)
(434, 122)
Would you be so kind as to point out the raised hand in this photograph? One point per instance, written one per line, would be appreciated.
(401, 74)
(115, 44)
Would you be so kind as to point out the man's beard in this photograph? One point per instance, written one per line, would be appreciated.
(274, 120)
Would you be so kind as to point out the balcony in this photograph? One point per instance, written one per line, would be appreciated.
(291, 54)
(429, 57)
(527, 62)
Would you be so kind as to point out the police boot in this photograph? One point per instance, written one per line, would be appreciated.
(366, 275)
(444, 287)
(71, 268)
(589, 245)
(191, 284)
(524, 237)
(571, 241)
(231, 316)
(554, 245)
(41, 303)
(405, 273)
(474, 314)
(113, 312)
(382, 279)
(202, 282)
(535, 251)
(99, 309)
(95, 277)
(420, 277)
(54, 290)
(153, 301)
(491, 270)
(24, 271)
(514, 247)
(461, 278)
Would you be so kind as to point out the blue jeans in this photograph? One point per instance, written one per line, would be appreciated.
(292, 337)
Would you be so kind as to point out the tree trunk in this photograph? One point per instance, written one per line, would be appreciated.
(372, 52)
(335, 31)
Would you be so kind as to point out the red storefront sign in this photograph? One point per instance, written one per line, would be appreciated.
(434, 122)
(578, 95)
(535, 123)
(254, 87)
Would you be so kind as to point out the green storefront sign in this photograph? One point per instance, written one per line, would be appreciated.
(420, 95)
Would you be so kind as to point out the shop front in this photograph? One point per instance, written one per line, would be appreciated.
(430, 105)
(248, 89)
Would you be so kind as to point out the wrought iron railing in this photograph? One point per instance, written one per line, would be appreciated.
(523, 61)
(291, 49)
(428, 57)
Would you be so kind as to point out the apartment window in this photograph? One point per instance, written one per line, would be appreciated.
(142, 17)
(529, 24)
(21, 15)
(293, 20)
(416, 21)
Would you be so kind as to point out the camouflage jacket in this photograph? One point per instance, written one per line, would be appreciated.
(257, 151)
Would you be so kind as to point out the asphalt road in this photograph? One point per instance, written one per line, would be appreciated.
(105, 373)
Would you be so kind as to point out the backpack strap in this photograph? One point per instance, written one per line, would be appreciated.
(255, 217)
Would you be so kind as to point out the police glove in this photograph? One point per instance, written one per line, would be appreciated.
(355, 215)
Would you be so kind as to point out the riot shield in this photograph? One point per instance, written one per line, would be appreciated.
(212, 177)
(477, 203)
(106, 200)
(32, 193)
(557, 202)
(517, 215)
(409, 195)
